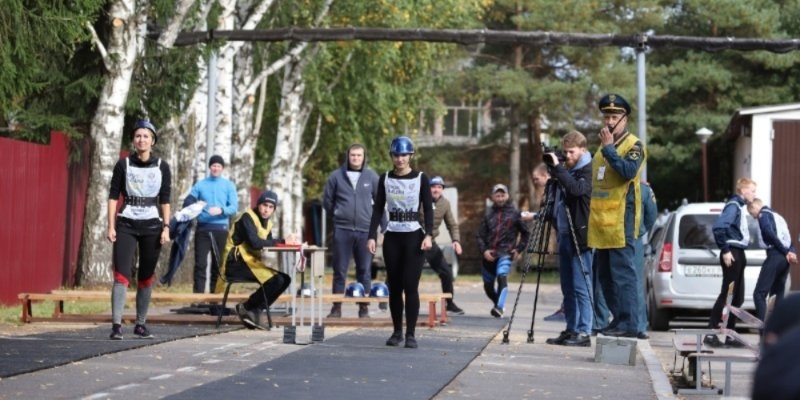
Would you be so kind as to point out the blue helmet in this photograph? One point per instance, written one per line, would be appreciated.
(145, 124)
(379, 289)
(354, 289)
(437, 180)
(401, 145)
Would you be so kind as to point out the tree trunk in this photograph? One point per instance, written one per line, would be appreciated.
(534, 149)
(245, 134)
(124, 46)
(283, 175)
(513, 167)
(222, 130)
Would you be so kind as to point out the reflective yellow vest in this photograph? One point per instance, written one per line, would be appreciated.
(607, 208)
(244, 252)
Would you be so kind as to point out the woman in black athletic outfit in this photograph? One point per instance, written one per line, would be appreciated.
(401, 192)
(144, 182)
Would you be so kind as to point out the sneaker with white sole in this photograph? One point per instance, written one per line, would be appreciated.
(142, 332)
(116, 332)
(248, 318)
(497, 312)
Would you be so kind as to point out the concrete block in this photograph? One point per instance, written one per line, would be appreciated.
(614, 350)
(297, 334)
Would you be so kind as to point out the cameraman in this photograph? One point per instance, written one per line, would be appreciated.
(573, 171)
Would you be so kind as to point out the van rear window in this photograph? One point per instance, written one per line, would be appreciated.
(696, 231)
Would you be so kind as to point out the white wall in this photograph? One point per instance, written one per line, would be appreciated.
(753, 155)
(761, 156)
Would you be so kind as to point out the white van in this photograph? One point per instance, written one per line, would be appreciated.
(682, 269)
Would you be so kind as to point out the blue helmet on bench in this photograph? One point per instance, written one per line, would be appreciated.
(379, 289)
(354, 289)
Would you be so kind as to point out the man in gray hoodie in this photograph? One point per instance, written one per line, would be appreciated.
(348, 199)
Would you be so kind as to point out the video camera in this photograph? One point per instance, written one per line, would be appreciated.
(552, 150)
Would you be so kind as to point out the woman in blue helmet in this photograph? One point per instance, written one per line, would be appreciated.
(143, 180)
(401, 193)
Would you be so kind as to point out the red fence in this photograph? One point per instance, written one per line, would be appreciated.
(42, 206)
(42, 197)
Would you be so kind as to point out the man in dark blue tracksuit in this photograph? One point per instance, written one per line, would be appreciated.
(732, 236)
(780, 253)
(348, 199)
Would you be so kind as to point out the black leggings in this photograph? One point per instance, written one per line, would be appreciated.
(202, 252)
(436, 260)
(404, 258)
(270, 290)
(735, 274)
(149, 245)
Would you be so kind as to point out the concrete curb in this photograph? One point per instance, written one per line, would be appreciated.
(661, 385)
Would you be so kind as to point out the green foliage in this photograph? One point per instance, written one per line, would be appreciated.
(560, 84)
(367, 92)
(691, 89)
(40, 46)
(162, 81)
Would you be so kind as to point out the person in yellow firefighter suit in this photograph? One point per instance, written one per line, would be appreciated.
(615, 215)
(252, 232)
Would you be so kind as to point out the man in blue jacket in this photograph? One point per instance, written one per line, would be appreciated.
(573, 194)
(219, 194)
(780, 253)
(348, 199)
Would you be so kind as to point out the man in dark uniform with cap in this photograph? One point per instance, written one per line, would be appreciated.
(435, 256)
(616, 213)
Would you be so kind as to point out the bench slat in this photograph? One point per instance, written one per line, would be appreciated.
(60, 296)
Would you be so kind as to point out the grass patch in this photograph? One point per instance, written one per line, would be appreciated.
(12, 314)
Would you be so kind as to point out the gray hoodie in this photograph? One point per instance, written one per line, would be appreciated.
(350, 208)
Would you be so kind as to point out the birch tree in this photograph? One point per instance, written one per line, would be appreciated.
(128, 20)
(286, 167)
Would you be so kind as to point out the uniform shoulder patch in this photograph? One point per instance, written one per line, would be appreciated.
(635, 153)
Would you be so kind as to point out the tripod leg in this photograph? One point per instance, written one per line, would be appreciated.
(539, 247)
(536, 244)
(516, 301)
(536, 296)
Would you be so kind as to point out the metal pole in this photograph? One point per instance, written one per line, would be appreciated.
(641, 107)
(705, 171)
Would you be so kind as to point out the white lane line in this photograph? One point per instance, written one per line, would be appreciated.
(96, 396)
(126, 387)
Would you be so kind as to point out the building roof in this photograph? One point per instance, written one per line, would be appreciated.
(743, 116)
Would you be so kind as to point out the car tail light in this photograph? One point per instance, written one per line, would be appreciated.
(665, 260)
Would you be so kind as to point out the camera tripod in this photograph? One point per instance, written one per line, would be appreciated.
(537, 247)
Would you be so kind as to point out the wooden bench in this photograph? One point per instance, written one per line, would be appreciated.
(61, 296)
(694, 350)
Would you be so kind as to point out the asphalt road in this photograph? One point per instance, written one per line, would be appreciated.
(478, 364)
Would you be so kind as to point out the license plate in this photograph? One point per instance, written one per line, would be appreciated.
(704, 271)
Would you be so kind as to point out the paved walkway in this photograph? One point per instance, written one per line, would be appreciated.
(463, 360)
